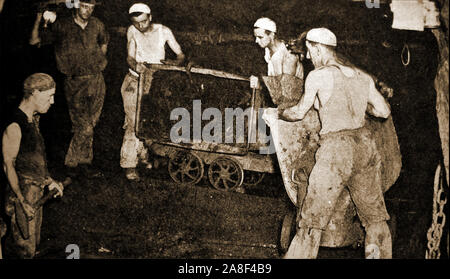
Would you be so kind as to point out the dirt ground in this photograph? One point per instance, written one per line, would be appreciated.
(111, 217)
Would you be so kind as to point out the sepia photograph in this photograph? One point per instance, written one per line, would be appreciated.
(249, 133)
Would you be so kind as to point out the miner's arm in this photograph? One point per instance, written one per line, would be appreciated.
(173, 44)
(35, 37)
(103, 39)
(377, 105)
(299, 111)
(10, 149)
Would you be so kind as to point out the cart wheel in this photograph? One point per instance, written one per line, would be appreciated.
(287, 231)
(186, 168)
(225, 174)
(253, 178)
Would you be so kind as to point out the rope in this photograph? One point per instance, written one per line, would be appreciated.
(405, 47)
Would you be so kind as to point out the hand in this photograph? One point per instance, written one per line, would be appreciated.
(171, 62)
(35, 41)
(254, 82)
(49, 16)
(58, 186)
(140, 67)
(270, 115)
(385, 90)
(28, 209)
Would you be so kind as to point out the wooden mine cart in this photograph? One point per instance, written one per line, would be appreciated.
(164, 88)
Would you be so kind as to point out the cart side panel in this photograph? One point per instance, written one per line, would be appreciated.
(170, 90)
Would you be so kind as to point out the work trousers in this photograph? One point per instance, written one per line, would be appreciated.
(132, 149)
(346, 159)
(26, 248)
(85, 96)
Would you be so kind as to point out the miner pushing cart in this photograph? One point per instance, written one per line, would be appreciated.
(170, 99)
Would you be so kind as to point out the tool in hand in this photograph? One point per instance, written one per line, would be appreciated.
(23, 220)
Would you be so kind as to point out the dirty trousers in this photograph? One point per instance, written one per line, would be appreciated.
(85, 96)
(26, 248)
(132, 148)
(345, 159)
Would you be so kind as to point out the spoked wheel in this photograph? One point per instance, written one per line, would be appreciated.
(253, 178)
(287, 231)
(186, 168)
(225, 174)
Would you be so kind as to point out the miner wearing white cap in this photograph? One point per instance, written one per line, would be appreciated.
(279, 59)
(146, 44)
(348, 156)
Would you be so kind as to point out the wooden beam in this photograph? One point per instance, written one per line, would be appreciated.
(197, 70)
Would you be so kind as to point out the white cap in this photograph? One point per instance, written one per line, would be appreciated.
(139, 8)
(266, 24)
(322, 36)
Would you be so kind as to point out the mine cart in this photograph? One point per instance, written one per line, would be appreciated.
(296, 143)
(195, 99)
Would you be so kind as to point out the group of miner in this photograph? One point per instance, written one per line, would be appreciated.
(347, 157)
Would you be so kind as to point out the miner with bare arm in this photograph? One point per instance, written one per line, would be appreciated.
(284, 81)
(347, 156)
(278, 57)
(25, 164)
(81, 43)
(146, 43)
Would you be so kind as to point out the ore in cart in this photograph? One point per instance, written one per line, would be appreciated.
(197, 100)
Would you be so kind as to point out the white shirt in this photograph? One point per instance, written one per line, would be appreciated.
(149, 46)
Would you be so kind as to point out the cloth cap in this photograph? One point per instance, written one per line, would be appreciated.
(139, 8)
(266, 24)
(322, 36)
(39, 81)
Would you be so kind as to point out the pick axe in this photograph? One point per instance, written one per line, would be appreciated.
(23, 220)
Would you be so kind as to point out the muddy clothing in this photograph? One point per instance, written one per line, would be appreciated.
(79, 56)
(31, 169)
(132, 148)
(347, 157)
(32, 192)
(2, 228)
(78, 51)
(85, 96)
(286, 91)
(146, 47)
